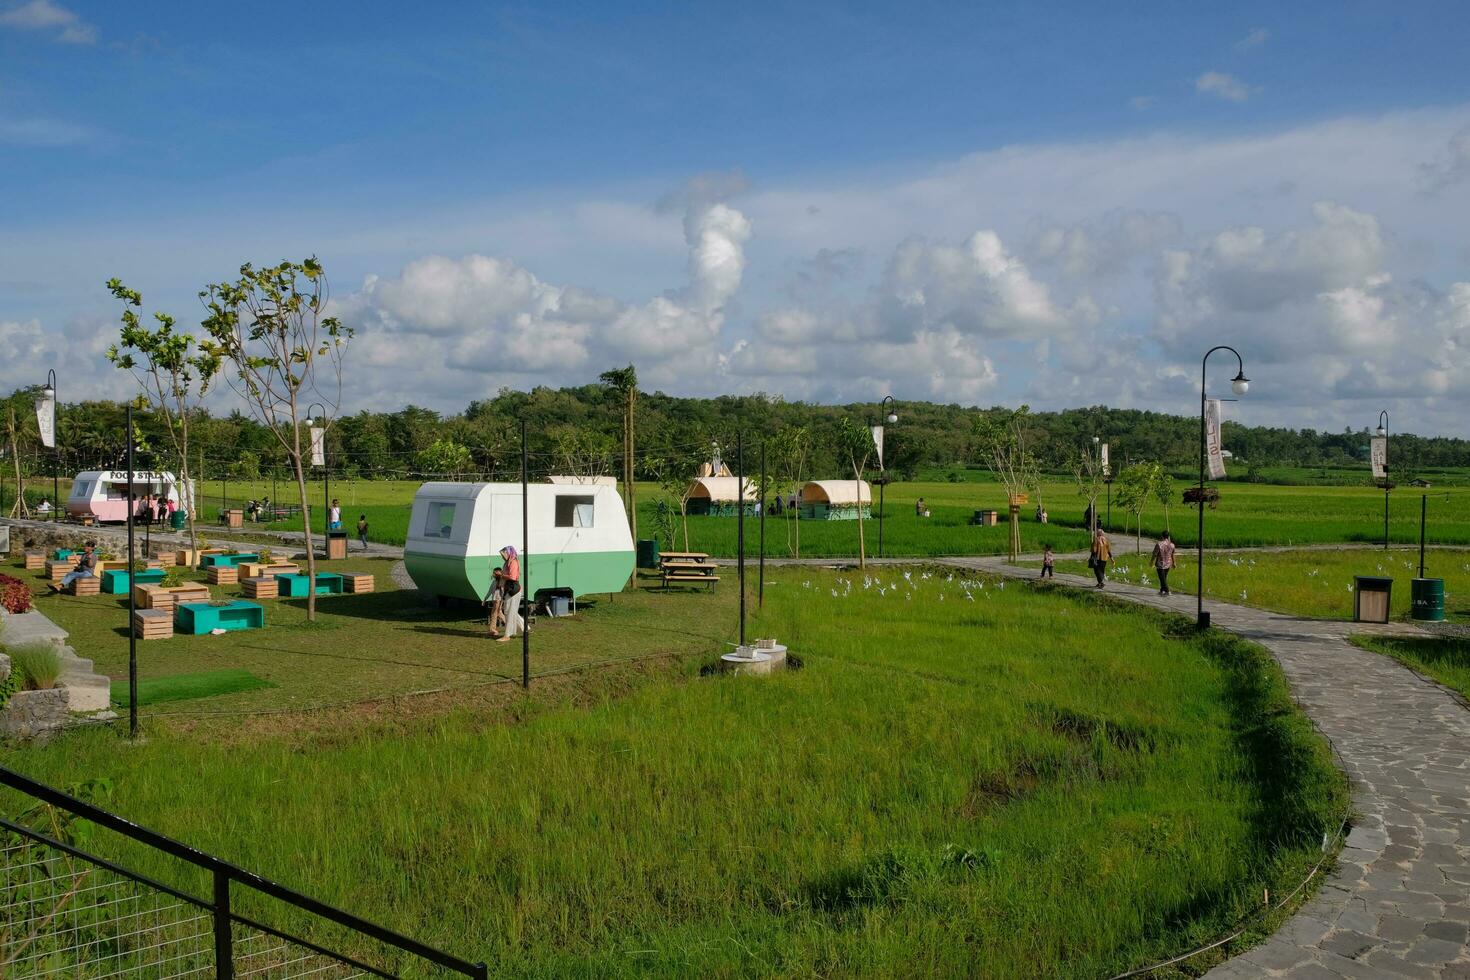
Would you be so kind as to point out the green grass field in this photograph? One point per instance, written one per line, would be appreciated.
(1249, 515)
(382, 644)
(1316, 583)
(965, 779)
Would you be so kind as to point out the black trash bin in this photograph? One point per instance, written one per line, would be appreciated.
(647, 553)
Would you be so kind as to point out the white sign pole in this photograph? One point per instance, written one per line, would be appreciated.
(1213, 456)
(1378, 456)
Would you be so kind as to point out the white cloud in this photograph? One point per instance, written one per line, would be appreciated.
(1142, 102)
(1451, 166)
(1223, 86)
(43, 15)
(1254, 39)
(469, 321)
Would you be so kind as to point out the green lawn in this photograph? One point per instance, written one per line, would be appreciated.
(965, 779)
(1249, 515)
(1445, 658)
(381, 644)
(1303, 583)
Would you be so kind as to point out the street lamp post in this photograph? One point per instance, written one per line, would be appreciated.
(1383, 434)
(889, 410)
(1239, 384)
(1092, 501)
(49, 393)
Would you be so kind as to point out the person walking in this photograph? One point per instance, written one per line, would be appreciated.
(1102, 553)
(1048, 562)
(1163, 557)
(334, 515)
(362, 530)
(511, 594)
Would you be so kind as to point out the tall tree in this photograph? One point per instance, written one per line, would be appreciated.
(175, 373)
(855, 445)
(623, 382)
(20, 431)
(270, 325)
(1002, 437)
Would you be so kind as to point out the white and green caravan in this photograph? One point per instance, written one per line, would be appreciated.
(579, 537)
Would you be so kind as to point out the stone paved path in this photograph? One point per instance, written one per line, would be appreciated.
(1398, 904)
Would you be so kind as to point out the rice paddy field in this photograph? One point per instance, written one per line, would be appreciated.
(963, 779)
(1315, 583)
(1248, 515)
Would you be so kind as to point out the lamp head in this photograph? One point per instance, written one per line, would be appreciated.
(1240, 384)
(892, 417)
(1382, 431)
(48, 393)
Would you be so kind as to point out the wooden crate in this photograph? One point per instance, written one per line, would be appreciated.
(153, 624)
(35, 559)
(86, 585)
(353, 582)
(255, 569)
(57, 569)
(261, 587)
(223, 575)
(149, 596)
(166, 559)
(193, 592)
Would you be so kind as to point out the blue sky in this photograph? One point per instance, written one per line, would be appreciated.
(980, 203)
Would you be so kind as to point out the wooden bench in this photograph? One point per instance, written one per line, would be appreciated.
(153, 624)
(357, 583)
(261, 587)
(223, 574)
(35, 560)
(86, 585)
(687, 566)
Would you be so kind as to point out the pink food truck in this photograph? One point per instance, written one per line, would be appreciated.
(103, 494)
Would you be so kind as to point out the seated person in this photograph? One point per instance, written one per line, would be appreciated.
(86, 568)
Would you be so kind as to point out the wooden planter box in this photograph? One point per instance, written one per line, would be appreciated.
(118, 581)
(153, 624)
(261, 587)
(355, 583)
(147, 595)
(223, 574)
(198, 618)
(35, 560)
(166, 559)
(189, 558)
(57, 569)
(255, 569)
(193, 592)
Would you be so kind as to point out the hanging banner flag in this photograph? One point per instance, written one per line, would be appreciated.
(318, 445)
(878, 442)
(1378, 456)
(46, 420)
(1213, 455)
(1106, 468)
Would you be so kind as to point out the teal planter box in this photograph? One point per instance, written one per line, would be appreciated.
(62, 554)
(196, 618)
(226, 561)
(116, 581)
(297, 586)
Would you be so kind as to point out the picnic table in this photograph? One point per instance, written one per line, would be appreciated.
(687, 566)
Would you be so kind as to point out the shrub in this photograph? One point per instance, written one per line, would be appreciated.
(39, 663)
(15, 595)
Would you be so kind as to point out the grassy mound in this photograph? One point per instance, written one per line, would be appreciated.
(963, 780)
(186, 687)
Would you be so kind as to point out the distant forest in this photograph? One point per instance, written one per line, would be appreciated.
(580, 429)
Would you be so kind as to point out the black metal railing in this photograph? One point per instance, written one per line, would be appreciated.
(65, 912)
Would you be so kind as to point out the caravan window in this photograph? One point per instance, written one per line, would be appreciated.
(438, 520)
(574, 511)
(81, 490)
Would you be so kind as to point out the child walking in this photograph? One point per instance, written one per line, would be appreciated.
(362, 529)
